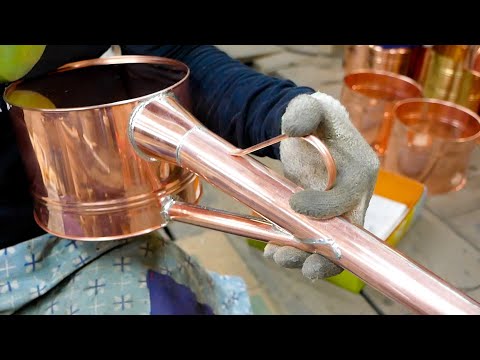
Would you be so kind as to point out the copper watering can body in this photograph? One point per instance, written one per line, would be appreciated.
(87, 180)
(71, 153)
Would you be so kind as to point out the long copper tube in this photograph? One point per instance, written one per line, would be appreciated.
(160, 128)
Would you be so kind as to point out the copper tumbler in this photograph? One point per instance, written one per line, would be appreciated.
(396, 60)
(431, 141)
(355, 57)
(476, 59)
(468, 94)
(399, 60)
(369, 97)
(443, 72)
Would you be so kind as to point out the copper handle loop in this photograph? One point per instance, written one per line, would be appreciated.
(313, 140)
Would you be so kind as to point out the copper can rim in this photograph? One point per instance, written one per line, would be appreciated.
(113, 60)
(450, 104)
(396, 76)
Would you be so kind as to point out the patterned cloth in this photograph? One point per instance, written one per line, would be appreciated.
(141, 275)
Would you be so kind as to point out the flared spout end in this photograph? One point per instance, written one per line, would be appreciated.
(157, 126)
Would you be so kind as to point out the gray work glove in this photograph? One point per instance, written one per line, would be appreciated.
(357, 169)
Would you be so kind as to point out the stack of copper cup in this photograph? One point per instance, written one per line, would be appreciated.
(369, 97)
(379, 78)
(451, 73)
(445, 72)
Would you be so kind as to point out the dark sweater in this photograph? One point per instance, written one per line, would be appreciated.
(239, 104)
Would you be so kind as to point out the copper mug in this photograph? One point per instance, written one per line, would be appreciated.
(450, 73)
(403, 60)
(431, 142)
(110, 144)
(369, 97)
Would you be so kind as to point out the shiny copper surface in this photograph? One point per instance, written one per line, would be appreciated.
(250, 226)
(475, 63)
(457, 53)
(444, 73)
(162, 129)
(405, 61)
(87, 181)
(468, 94)
(355, 57)
(396, 60)
(432, 141)
(369, 97)
(312, 140)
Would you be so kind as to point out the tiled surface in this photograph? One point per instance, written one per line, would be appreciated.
(438, 247)
(247, 53)
(270, 64)
(310, 75)
(462, 202)
(445, 239)
(468, 226)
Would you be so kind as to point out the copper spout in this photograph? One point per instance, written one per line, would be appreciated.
(162, 129)
(224, 221)
(242, 225)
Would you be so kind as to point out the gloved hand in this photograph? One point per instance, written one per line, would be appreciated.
(357, 169)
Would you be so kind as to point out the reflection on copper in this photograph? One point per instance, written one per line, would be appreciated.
(312, 140)
(405, 61)
(228, 222)
(432, 141)
(475, 64)
(87, 181)
(369, 97)
(449, 74)
(162, 122)
(355, 57)
(396, 60)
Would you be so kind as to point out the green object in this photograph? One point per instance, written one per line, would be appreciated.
(17, 60)
(29, 99)
(348, 281)
(260, 245)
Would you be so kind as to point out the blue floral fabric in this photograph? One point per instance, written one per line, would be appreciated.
(142, 275)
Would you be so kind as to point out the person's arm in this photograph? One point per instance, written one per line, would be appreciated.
(236, 102)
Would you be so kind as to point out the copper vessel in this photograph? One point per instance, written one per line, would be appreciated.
(369, 97)
(475, 61)
(162, 132)
(86, 179)
(400, 60)
(355, 57)
(449, 73)
(431, 142)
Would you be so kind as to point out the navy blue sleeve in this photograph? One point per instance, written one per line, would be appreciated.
(236, 102)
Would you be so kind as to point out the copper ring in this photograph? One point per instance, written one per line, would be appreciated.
(313, 140)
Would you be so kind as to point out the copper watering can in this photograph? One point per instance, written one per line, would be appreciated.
(112, 151)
